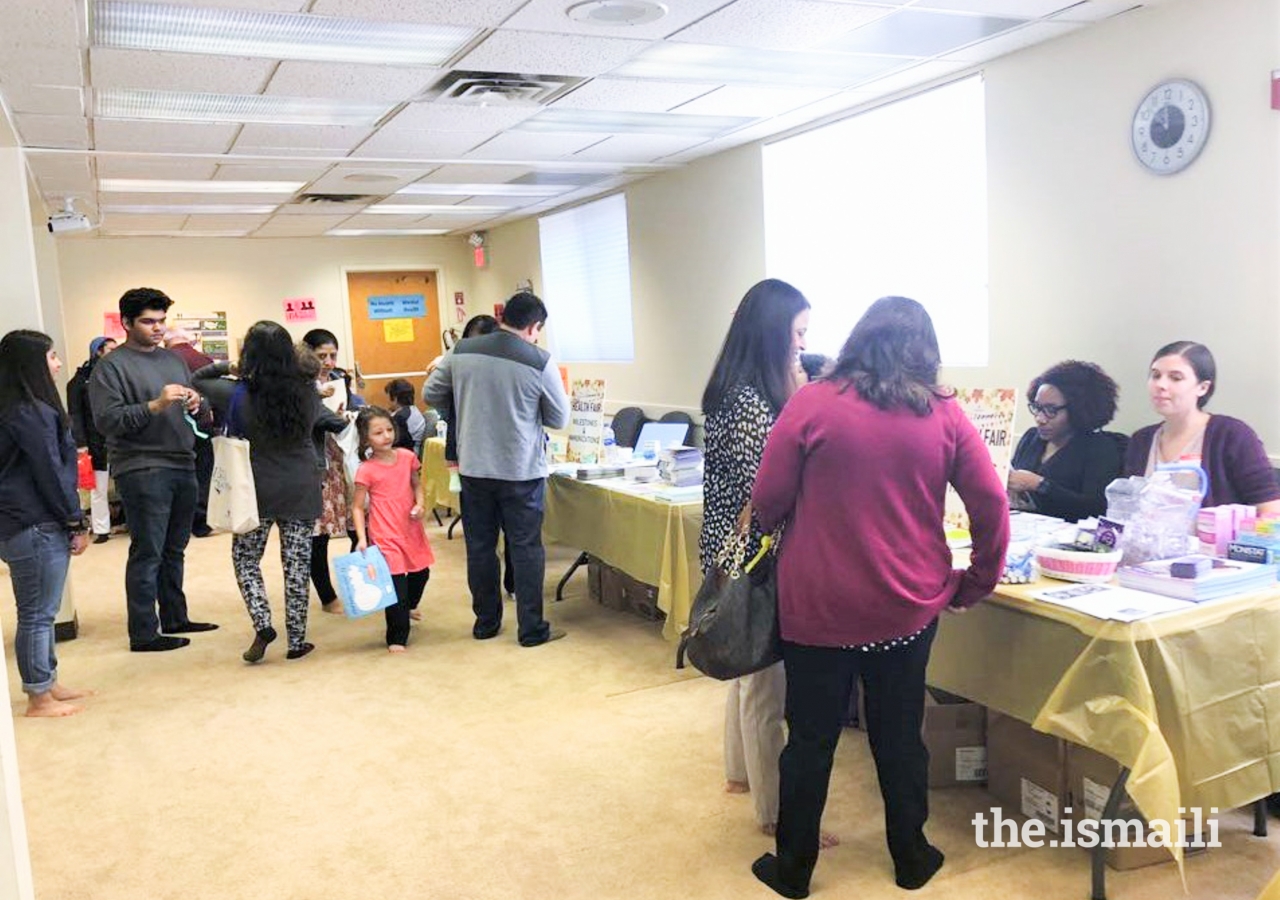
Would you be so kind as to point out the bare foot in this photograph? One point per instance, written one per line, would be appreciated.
(736, 787)
(396, 648)
(45, 706)
(415, 614)
(333, 606)
(827, 840)
(62, 692)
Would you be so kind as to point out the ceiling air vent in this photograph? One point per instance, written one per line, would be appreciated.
(338, 198)
(499, 88)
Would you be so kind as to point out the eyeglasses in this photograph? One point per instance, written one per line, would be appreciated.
(1047, 410)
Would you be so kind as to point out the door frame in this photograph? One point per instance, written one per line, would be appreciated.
(441, 294)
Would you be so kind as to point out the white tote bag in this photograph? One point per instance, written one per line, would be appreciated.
(233, 499)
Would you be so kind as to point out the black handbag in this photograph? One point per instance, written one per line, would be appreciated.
(733, 625)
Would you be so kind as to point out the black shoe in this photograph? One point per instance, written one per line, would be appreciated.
(202, 531)
(160, 644)
(258, 648)
(190, 628)
(101, 538)
(553, 635)
(485, 635)
(918, 876)
(300, 651)
(766, 869)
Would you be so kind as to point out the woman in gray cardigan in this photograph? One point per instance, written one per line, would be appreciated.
(275, 406)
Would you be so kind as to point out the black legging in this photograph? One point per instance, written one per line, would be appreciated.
(320, 566)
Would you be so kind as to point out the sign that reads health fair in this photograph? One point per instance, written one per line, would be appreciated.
(586, 419)
(991, 411)
(397, 306)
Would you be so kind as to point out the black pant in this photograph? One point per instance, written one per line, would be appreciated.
(160, 504)
(204, 476)
(819, 680)
(320, 576)
(409, 589)
(515, 507)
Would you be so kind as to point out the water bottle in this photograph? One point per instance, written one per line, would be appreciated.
(610, 445)
(442, 429)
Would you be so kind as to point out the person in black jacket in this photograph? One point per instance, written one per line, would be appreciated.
(88, 436)
(41, 525)
(1063, 465)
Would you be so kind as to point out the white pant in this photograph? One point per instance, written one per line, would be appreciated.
(99, 511)
(754, 736)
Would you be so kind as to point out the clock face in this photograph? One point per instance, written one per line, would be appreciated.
(1171, 126)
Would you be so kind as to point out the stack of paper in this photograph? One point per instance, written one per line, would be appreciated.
(1227, 577)
(681, 466)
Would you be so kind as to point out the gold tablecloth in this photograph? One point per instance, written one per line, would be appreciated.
(651, 540)
(435, 475)
(1188, 701)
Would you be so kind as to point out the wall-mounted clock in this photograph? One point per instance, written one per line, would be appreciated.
(1170, 126)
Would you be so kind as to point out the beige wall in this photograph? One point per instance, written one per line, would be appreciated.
(1090, 256)
(249, 278)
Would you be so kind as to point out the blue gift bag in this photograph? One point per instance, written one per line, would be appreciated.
(364, 582)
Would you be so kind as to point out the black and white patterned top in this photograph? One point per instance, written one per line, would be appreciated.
(734, 438)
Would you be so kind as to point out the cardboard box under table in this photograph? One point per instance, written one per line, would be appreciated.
(955, 733)
(1188, 701)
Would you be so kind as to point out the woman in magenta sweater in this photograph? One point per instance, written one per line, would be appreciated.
(857, 467)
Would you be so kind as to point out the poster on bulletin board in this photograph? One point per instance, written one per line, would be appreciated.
(586, 419)
(208, 332)
(991, 410)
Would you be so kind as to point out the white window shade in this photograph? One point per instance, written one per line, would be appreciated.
(890, 202)
(586, 276)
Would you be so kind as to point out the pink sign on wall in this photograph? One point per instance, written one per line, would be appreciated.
(111, 326)
(300, 309)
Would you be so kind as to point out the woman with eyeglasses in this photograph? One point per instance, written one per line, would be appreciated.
(1063, 465)
(1181, 380)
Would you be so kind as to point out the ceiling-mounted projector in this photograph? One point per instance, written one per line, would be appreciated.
(69, 221)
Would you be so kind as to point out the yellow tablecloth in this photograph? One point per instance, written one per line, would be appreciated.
(1188, 701)
(651, 540)
(435, 475)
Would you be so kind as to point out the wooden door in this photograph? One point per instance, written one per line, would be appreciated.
(397, 347)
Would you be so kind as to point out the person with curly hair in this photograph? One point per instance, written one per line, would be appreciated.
(1063, 465)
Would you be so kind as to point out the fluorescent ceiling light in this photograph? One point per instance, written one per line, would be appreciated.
(380, 232)
(176, 106)
(213, 209)
(443, 189)
(610, 122)
(706, 62)
(432, 209)
(273, 35)
(111, 232)
(159, 186)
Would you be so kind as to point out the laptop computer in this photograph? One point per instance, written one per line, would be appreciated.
(667, 434)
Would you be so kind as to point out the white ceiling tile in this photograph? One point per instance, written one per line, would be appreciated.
(524, 145)
(28, 64)
(194, 72)
(224, 223)
(337, 81)
(453, 223)
(265, 5)
(779, 24)
(747, 100)
(476, 174)
(632, 95)
(368, 220)
(53, 188)
(42, 24)
(1028, 35)
(306, 172)
(352, 179)
(163, 137)
(1017, 9)
(919, 33)
(155, 167)
(54, 131)
(420, 144)
(1097, 10)
(549, 15)
(299, 226)
(193, 198)
(60, 165)
(550, 54)
(434, 116)
(131, 222)
(917, 76)
(477, 13)
(639, 148)
(299, 137)
(327, 210)
(49, 100)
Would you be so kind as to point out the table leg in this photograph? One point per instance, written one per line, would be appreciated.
(452, 525)
(581, 560)
(435, 512)
(1099, 853)
(1260, 818)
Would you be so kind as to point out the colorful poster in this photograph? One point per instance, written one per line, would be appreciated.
(586, 419)
(208, 332)
(991, 410)
(398, 306)
(397, 331)
(300, 309)
(459, 307)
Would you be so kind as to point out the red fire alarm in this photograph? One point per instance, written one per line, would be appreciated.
(480, 248)
(1275, 88)
(481, 256)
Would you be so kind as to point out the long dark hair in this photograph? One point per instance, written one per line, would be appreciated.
(891, 357)
(1199, 359)
(24, 372)
(283, 396)
(757, 349)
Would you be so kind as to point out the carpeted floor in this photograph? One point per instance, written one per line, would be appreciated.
(586, 768)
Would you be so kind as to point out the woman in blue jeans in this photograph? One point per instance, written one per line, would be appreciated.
(41, 524)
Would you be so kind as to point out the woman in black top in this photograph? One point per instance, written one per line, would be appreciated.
(41, 525)
(1062, 466)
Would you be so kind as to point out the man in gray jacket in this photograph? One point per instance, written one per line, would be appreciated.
(139, 394)
(503, 390)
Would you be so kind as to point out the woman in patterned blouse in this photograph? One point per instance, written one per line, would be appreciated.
(755, 374)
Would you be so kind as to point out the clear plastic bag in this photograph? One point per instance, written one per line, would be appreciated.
(1164, 524)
